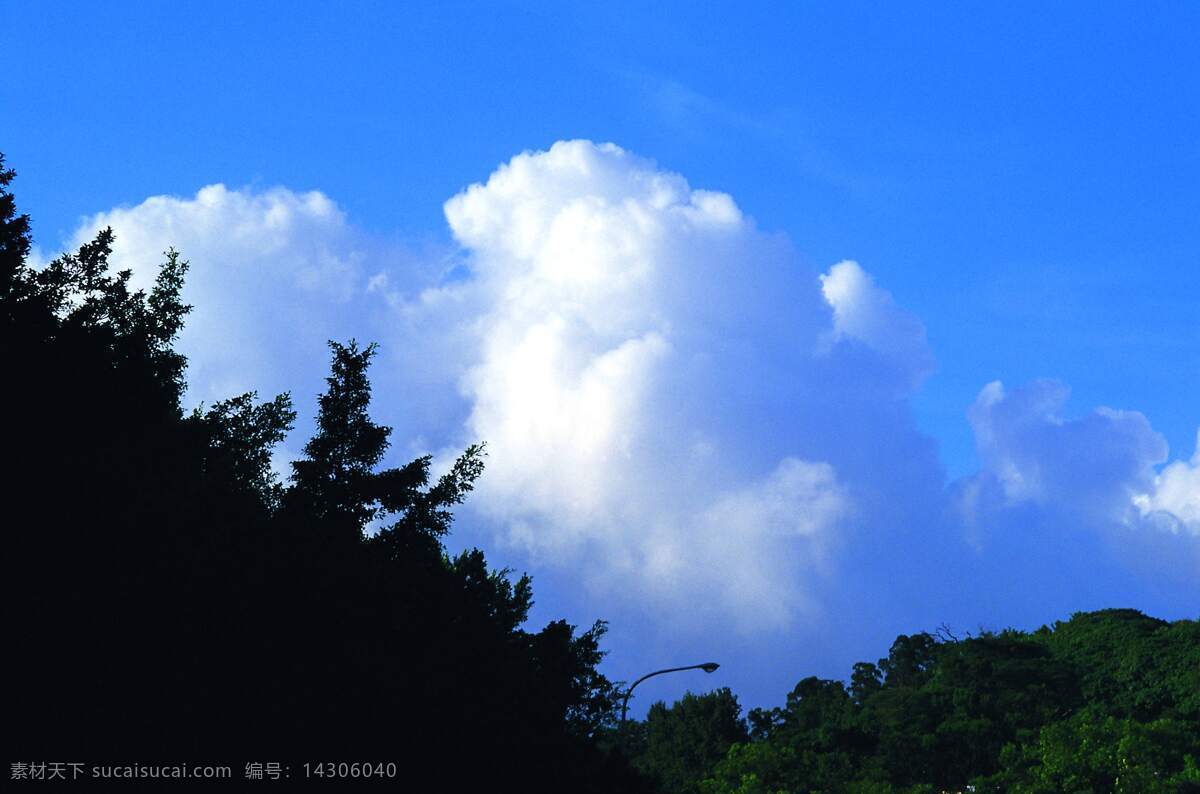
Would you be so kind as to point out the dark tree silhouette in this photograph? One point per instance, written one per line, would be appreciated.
(171, 599)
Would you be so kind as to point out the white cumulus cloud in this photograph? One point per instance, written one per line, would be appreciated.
(651, 374)
(682, 419)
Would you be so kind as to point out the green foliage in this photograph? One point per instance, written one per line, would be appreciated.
(1103, 702)
(755, 768)
(1093, 752)
(1137, 666)
(678, 744)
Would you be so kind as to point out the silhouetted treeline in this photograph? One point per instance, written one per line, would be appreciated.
(168, 598)
(1107, 701)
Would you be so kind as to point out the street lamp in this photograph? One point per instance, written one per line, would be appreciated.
(708, 667)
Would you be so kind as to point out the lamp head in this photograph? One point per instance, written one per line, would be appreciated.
(709, 667)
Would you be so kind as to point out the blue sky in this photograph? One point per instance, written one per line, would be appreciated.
(1018, 186)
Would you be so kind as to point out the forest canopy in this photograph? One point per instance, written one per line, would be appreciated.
(1106, 701)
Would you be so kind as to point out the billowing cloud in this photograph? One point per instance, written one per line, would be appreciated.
(684, 421)
(652, 374)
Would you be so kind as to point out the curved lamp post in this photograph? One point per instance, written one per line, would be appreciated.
(707, 667)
